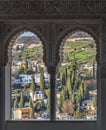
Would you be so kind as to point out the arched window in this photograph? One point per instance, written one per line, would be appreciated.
(67, 93)
(76, 78)
(30, 81)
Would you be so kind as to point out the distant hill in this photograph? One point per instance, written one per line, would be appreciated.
(79, 34)
(28, 40)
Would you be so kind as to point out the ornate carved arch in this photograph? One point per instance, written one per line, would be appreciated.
(13, 31)
(64, 30)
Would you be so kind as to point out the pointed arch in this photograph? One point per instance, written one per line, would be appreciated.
(75, 72)
(66, 33)
(12, 36)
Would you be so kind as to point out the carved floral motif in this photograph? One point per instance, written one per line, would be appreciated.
(32, 7)
(64, 30)
(12, 31)
(103, 49)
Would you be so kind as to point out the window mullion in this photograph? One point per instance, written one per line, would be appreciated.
(52, 97)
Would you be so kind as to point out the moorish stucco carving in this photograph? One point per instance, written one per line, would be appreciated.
(103, 48)
(12, 31)
(51, 7)
(63, 31)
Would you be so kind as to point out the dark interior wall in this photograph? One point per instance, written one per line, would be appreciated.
(52, 20)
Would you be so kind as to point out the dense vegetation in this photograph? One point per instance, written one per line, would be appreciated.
(73, 85)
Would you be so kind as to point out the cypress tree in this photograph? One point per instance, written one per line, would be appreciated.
(62, 99)
(95, 101)
(32, 86)
(26, 64)
(32, 113)
(21, 101)
(63, 79)
(68, 83)
(41, 79)
(16, 103)
(78, 96)
(81, 91)
(86, 91)
(30, 103)
(72, 98)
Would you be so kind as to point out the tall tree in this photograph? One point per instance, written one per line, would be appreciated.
(72, 97)
(26, 63)
(62, 99)
(78, 114)
(95, 101)
(21, 100)
(41, 79)
(16, 102)
(68, 83)
(81, 91)
(32, 113)
(63, 79)
(86, 91)
(30, 102)
(32, 86)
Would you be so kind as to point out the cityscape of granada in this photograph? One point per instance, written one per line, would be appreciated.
(75, 79)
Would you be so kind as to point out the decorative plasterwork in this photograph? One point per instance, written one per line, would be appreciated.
(51, 7)
(103, 49)
(64, 30)
(12, 31)
(42, 28)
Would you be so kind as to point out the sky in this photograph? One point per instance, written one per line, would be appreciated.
(27, 34)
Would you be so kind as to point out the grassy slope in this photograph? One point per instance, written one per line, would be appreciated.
(86, 55)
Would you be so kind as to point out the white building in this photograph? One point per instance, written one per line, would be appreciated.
(23, 79)
(38, 95)
(37, 78)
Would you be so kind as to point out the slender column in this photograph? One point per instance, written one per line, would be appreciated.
(52, 95)
(2, 97)
(103, 72)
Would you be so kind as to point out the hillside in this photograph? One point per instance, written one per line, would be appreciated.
(28, 40)
(79, 34)
(83, 51)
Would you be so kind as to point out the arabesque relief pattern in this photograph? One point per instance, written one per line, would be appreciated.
(11, 32)
(31, 7)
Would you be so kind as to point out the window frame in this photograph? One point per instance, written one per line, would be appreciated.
(75, 125)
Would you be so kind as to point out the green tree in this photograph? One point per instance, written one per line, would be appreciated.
(32, 86)
(47, 92)
(72, 98)
(88, 73)
(30, 102)
(81, 91)
(78, 97)
(32, 113)
(86, 91)
(41, 79)
(63, 79)
(68, 83)
(95, 101)
(16, 102)
(21, 100)
(77, 113)
(62, 99)
(26, 63)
